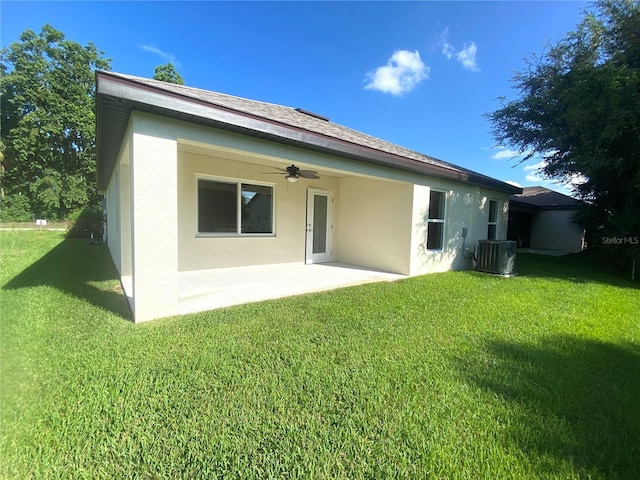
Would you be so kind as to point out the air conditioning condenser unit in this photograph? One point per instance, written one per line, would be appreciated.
(496, 256)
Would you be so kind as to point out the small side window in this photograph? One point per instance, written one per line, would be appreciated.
(492, 232)
(435, 220)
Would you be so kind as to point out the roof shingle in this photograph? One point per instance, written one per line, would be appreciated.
(544, 198)
(300, 120)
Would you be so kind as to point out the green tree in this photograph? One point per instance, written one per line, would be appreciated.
(48, 121)
(168, 73)
(579, 109)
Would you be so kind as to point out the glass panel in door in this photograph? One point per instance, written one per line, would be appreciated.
(319, 224)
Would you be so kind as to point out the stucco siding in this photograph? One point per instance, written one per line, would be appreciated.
(285, 245)
(154, 207)
(118, 197)
(458, 214)
(113, 234)
(467, 208)
(374, 229)
(552, 229)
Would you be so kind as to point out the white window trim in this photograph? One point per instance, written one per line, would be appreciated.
(442, 220)
(489, 222)
(238, 182)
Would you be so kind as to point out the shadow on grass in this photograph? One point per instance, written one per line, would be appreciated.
(577, 268)
(574, 400)
(80, 269)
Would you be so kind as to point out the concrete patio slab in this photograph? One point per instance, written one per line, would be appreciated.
(210, 289)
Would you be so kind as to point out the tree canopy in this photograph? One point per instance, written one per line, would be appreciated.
(578, 109)
(168, 73)
(48, 121)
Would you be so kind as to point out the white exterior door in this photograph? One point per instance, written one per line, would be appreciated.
(319, 225)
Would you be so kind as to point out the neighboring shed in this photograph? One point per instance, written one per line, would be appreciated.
(542, 218)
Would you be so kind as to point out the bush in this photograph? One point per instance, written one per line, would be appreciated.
(616, 243)
(15, 208)
(84, 222)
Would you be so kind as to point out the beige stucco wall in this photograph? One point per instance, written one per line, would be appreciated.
(142, 217)
(466, 207)
(206, 252)
(552, 229)
(374, 229)
(118, 197)
(113, 231)
(154, 170)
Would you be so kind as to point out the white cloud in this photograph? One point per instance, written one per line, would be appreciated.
(533, 178)
(509, 154)
(535, 167)
(447, 49)
(505, 153)
(403, 71)
(467, 57)
(578, 179)
(514, 183)
(535, 174)
(168, 57)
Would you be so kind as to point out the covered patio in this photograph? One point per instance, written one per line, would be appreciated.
(202, 290)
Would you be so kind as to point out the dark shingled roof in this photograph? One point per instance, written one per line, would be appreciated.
(545, 199)
(119, 94)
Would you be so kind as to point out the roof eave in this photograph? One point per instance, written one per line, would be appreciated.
(133, 95)
(544, 207)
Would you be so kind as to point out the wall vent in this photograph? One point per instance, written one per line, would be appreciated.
(496, 256)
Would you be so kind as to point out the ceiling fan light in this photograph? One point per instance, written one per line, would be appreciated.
(291, 178)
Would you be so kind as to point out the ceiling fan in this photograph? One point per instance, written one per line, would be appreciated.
(293, 173)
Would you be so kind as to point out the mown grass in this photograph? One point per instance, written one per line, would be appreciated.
(455, 375)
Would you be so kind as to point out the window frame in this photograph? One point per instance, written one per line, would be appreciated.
(495, 222)
(442, 221)
(238, 182)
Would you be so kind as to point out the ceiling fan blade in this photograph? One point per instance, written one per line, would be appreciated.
(279, 172)
(294, 171)
(308, 174)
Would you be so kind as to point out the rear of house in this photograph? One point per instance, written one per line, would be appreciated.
(197, 180)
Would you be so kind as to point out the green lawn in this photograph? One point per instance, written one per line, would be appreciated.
(456, 376)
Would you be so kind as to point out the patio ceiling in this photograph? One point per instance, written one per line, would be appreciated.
(266, 161)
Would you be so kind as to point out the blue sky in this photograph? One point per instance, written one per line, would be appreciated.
(419, 74)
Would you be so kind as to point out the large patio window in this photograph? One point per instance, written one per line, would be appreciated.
(435, 220)
(228, 208)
